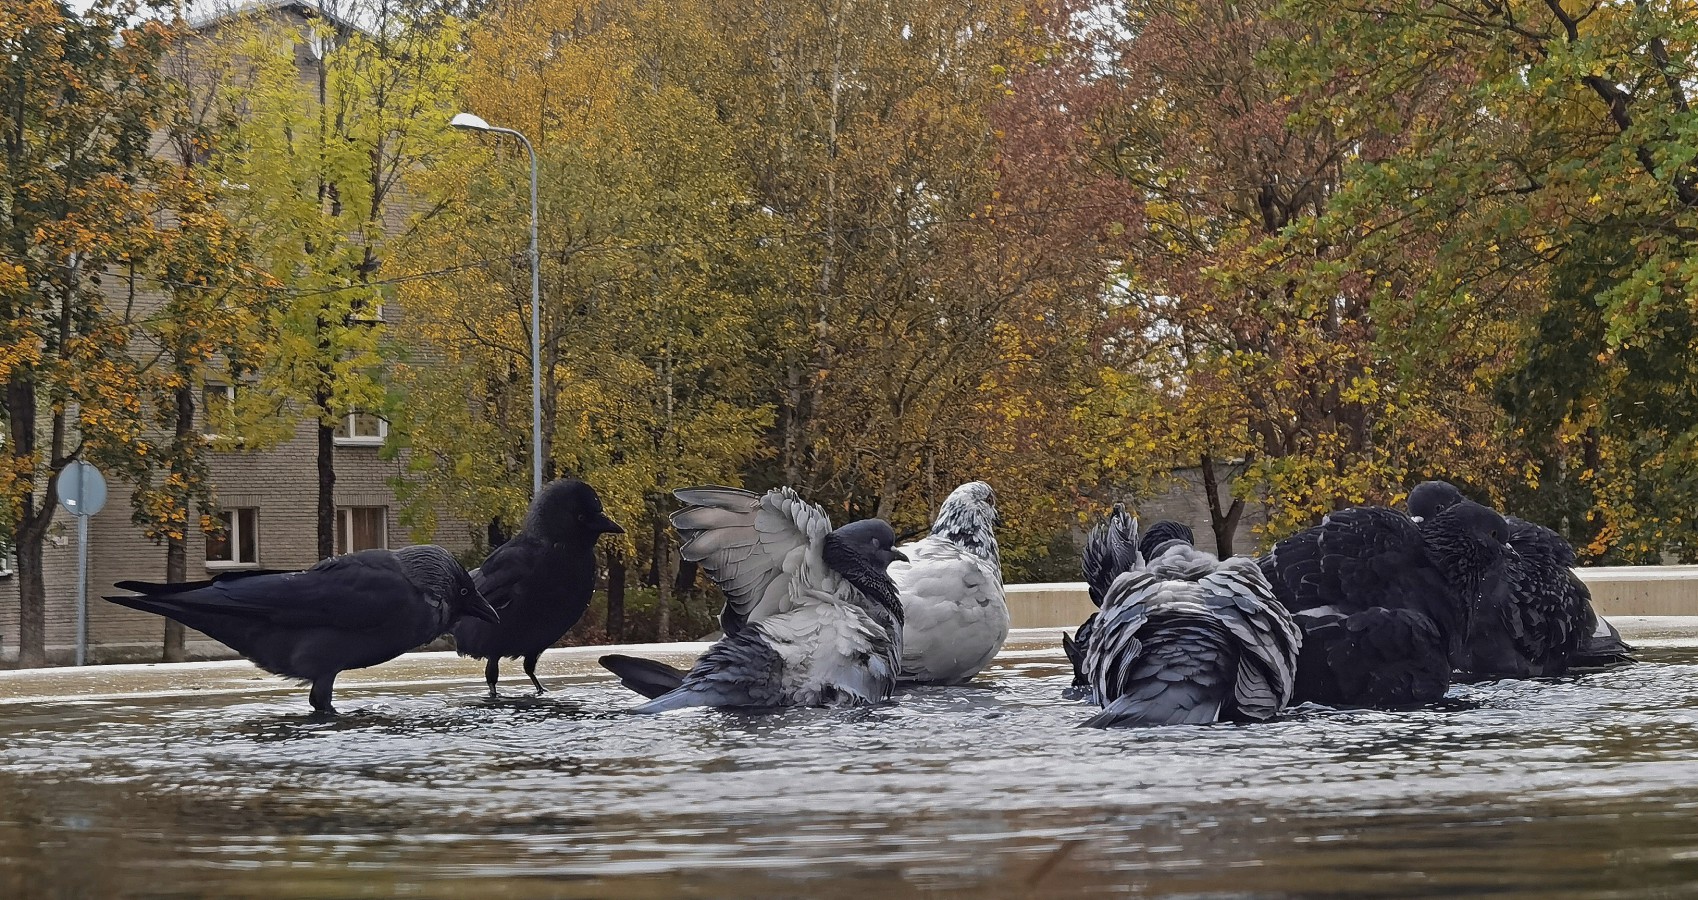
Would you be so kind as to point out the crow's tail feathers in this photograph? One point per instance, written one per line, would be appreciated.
(645, 676)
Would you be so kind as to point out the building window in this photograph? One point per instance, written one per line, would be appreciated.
(217, 406)
(361, 428)
(8, 559)
(237, 542)
(362, 528)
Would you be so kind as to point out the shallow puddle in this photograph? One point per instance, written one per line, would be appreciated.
(1585, 787)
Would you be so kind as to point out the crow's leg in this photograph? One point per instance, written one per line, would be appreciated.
(320, 696)
(492, 674)
(531, 670)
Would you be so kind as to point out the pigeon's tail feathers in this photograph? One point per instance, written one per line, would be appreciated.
(645, 676)
(1602, 648)
(1180, 703)
(1110, 550)
(679, 699)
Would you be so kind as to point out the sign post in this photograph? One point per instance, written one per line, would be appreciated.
(82, 492)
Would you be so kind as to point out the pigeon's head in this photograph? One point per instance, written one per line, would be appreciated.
(1429, 498)
(968, 517)
(872, 541)
(568, 511)
(1468, 542)
(1163, 533)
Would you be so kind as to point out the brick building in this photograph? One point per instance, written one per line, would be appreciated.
(269, 502)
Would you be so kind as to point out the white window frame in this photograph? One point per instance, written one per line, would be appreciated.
(362, 440)
(235, 539)
(8, 559)
(345, 525)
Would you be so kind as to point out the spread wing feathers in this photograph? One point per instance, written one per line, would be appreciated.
(1240, 596)
(762, 550)
(742, 670)
(1376, 657)
(1110, 549)
(343, 592)
(955, 615)
(1351, 561)
(1075, 648)
(645, 676)
(1158, 656)
(1595, 642)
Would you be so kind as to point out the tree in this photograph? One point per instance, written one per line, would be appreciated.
(321, 163)
(80, 111)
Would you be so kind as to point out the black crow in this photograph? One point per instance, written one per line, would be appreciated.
(1187, 638)
(347, 612)
(540, 581)
(1539, 619)
(811, 616)
(1384, 602)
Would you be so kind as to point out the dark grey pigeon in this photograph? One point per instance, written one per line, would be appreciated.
(1110, 549)
(1385, 602)
(811, 617)
(1538, 620)
(347, 612)
(540, 581)
(1156, 539)
(1188, 639)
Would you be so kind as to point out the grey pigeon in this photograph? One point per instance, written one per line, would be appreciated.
(347, 612)
(1190, 639)
(811, 617)
(540, 580)
(1384, 601)
(1538, 620)
(955, 614)
(1110, 549)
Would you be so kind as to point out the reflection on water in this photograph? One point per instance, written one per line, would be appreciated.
(1579, 788)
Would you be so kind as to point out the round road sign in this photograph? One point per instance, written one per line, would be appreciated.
(82, 490)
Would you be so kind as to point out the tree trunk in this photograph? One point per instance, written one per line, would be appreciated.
(176, 569)
(616, 595)
(663, 588)
(32, 602)
(1224, 523)
(326, 483)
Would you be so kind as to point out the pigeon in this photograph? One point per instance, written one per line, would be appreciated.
(540, 580)
(1156, 538)
(347, 612)
(1384, 602)
(811, 616)
(1539, 620)
(1189, 639)
(1110, 549)
(954, 613)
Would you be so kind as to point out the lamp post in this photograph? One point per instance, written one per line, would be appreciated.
(469, 122)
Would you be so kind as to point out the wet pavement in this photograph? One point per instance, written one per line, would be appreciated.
(211, 779)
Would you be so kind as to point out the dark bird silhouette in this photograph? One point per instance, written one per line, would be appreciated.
(811, 616)
(1156, 539)
(347, 612)
(1538, 620)
(1385, 602)
(1110, 549)
(540, 581)
(1190, 639)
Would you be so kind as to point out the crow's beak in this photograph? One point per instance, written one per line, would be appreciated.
(898, 554)
(608, 526)
(477, 607)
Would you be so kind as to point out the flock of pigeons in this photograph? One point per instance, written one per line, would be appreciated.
(1370, 608)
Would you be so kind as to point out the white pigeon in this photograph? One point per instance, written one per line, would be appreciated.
(956, 615)
(811, 617)
(1190, 639)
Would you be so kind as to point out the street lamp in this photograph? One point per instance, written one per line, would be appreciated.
(469, 122)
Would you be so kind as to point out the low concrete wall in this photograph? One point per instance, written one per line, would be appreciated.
(1616, 591)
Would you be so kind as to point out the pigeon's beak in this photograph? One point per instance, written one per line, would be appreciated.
(608, 526)
(898, 554)
(477, 607)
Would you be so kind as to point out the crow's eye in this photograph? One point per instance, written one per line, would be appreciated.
(464, 592)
